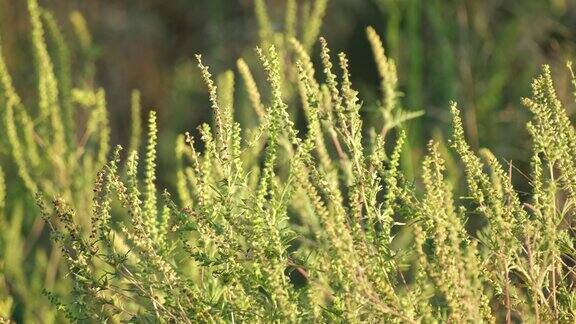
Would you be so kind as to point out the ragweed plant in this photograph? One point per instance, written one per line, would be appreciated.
(57, 143)
(231, 252)
(47, 144)
(528, 247)
(280, 224)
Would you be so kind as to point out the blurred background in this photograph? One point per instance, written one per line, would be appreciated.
(482, 54)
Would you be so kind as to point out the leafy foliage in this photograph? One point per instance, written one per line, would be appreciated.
(277, 224)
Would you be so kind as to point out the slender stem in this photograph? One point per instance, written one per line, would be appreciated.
(507, 294)
(534, 289)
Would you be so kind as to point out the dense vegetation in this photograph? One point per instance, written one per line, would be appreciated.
(271, 222)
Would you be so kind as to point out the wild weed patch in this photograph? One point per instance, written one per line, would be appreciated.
(277, 223)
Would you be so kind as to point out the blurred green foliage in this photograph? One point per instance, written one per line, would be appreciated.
(481, 53)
